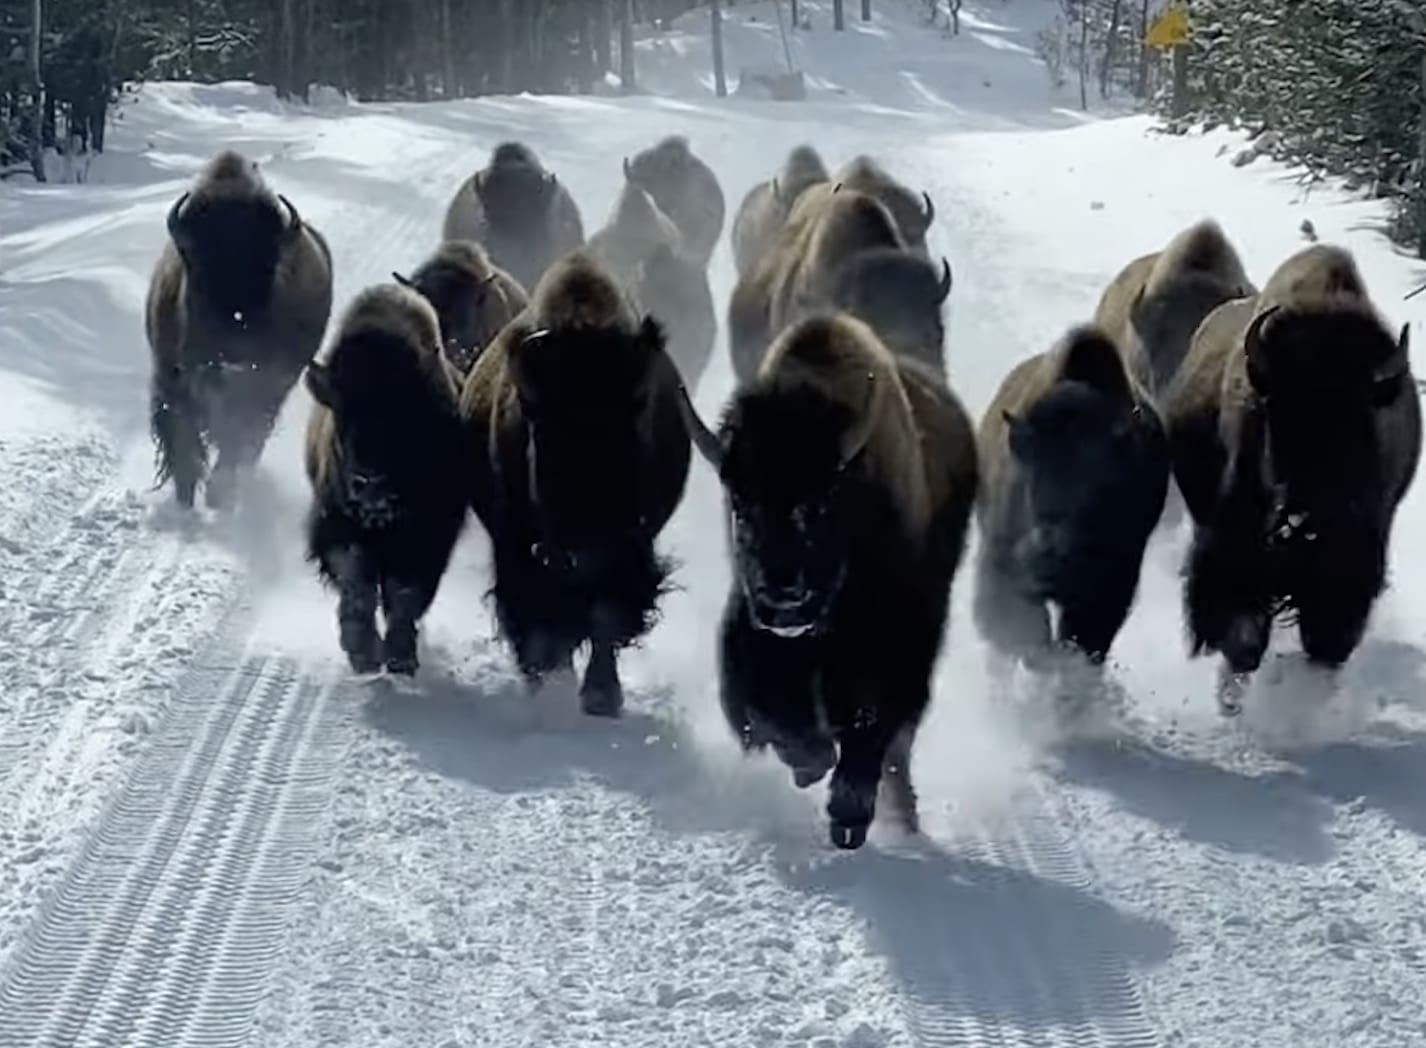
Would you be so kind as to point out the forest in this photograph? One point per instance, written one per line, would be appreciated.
(1338, 86)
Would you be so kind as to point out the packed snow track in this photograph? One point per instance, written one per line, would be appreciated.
(212, 835)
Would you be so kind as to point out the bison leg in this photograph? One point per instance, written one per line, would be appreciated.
(896, 779)
(601, 694)
(242, 425)
(403, 602)
(851, 804)
(177, 425)
(1012, 620)
(357, 580)
(1330, 631)
(768, 693)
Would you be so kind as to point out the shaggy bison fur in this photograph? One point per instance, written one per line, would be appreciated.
(900, 296)
(518, 211)
(237, 306)
(766, 206)
(384, 458)
(635, 228)
(686, 189)
(849, 477)
(674, 288)
(1074, 464)
(473, 298)
(579, 460)
(1295, 429)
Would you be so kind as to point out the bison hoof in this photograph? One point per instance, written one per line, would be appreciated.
(364, 662)
(218, 493)
(848, 838)
(603, 701)
(405, 665)
(802, 778)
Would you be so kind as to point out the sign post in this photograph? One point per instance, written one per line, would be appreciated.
(1172, 31)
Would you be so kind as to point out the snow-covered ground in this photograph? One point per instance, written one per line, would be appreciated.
(210, 836)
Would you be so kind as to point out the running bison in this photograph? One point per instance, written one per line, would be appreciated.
(900, 296)
(473, 298)
(579, 460)
(674, 288)
(849, 477)
(384, 457)
(1074, 465)
(766, 206)
(796, 276)
(518, 211)
(1157, 301)
(636, 226)
(686, 189)
(1295, 431)
(237, 306)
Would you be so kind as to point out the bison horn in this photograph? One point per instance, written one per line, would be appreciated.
(944, 288)
(294, 223)
(859, 435)
(776, 192)
(1252, 348)
(704, 439)
(627, 173)
(402, 279)
(837, 188)
(930, 209)
(173, 215)
(1397, 365)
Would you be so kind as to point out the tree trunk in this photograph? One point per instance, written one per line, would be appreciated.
(37, 149)
(1083, 55)
(720, 79)
(1106, 67)
(1180, 82)
(627, 80)
(192, 37)
(866, 10)
(839, 20)
(508, 37)
(603, 37)
(448, 65)
(1142, 90)
(955, 6)
(794, 14)
(585, 72)
(1421, 171)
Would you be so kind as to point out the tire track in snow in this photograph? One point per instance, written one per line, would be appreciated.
(163, 930)
(1029, 968)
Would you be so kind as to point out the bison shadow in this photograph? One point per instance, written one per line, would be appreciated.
(1271, 815)
(1386, 771)
(993, 943)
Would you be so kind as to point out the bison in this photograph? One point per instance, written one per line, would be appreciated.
(795, 277)
(900, 296)
(237, 306)
(1074, 466)
(685, 189)
(1295, 431)
(580, 458)
(473, 297)
(384, 456)
(849, 477)
(913, 214)
(520, 212)
(1156, 302)
(766, 206)
(635, 228)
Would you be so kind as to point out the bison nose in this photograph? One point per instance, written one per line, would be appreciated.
(784, 596)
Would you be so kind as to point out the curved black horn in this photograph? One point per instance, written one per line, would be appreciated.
(1399, 363)
(704, 439)
(930, 208)
(627, 173)
(402, 279)
(294, 223)
(173, 215)
(944, 288)
(1252, 339)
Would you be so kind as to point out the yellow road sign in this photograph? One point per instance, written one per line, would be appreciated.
(1170, 29)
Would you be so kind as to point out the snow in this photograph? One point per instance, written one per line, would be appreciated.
(209, 834)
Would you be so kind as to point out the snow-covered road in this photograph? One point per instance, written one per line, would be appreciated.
(209, 835)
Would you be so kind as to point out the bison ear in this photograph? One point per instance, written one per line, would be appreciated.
(319, 383)
(1094, 360)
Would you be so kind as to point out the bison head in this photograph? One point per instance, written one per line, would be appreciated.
(1164, 319)
(587, 399)
(515, 196)
(469, 312)
(899, 296)
(231, 244)
(1323, 376)
(783, 458)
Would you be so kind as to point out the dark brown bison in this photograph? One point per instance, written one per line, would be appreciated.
(518, 211)
(237, 306)
(580, 458)
(1295, 431)
(900, 296)
(473, 297)
(797, 273)
(1155, 304)
(849, 477)
(385, 458)
(635, 228)
(1074, 467)
(766, 206)
(913, 214)
(686, 189)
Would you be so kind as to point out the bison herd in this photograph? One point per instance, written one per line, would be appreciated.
(540, 377)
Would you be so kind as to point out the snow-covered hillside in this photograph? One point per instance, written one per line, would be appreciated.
(209, 835)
